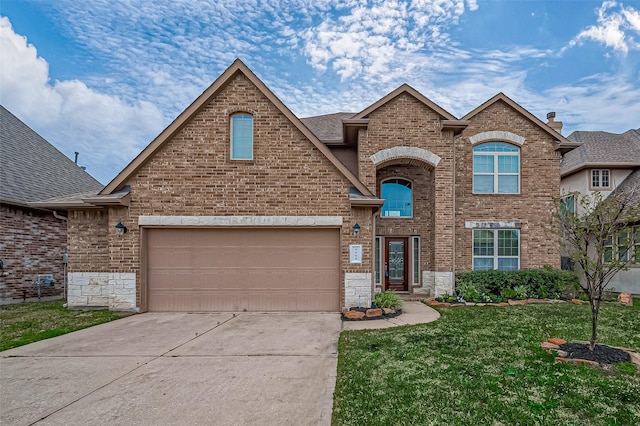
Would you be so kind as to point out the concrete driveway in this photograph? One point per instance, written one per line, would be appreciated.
(187, 369)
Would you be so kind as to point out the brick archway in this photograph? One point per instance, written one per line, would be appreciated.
(405, 152)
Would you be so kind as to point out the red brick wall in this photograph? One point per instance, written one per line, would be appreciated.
(539, 180)
(32, 243)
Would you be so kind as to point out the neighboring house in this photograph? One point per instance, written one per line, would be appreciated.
(240, 205)
(605, 162)
(33, 239)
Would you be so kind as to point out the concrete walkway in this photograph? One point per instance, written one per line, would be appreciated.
(412, 313)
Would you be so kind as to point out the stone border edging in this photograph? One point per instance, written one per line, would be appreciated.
(553, 345)
(369, 314)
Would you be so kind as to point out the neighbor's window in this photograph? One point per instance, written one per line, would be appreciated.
(622, 240)
(496, 249)
(624, 246)
(398, 198)
(496, 168)
(241, 137)
(636, 244)
(568, 205)
(600, 178)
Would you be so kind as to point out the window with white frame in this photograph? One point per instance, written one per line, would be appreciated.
(600, 178)
(496, 168)
(415, 245)
(398, 198)
(496, 249)
(241, 137)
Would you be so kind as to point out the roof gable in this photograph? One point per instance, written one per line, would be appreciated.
(181, 121)
(501, 97)
(405, 88)
(31, 169)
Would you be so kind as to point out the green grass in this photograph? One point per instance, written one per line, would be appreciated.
(484, 366)
(25, 323)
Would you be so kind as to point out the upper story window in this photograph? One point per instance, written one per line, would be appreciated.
(600, 178)
(496, 168)
(242, 137)
(398, 197)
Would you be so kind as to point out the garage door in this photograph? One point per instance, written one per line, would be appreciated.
(222, 269)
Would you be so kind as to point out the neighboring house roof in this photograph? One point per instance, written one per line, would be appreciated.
(631, 185)
(221, 82)
(602, 149)
(562, 141)
(328, 128)
(31, 169)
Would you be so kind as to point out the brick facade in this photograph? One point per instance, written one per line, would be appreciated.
(33, 242)
(191, 175)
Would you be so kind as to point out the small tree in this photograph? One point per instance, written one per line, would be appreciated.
(594, 238)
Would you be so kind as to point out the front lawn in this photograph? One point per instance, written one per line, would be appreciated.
(484, 366)
(25, 323)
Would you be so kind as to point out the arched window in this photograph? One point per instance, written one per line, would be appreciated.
(398, 198)
(496, 168)
(241, 137)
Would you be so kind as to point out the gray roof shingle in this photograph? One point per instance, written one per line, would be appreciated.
(327, 128)
(602, 148)
(31, 169)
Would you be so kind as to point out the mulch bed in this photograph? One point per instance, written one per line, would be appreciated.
(602, 354)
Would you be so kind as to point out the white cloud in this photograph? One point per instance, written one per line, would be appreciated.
(618, 27)
(107, 131)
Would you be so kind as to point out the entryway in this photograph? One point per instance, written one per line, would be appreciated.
(395, 264)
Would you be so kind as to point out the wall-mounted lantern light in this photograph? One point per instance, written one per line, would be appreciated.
(121, 229)
(356, 229)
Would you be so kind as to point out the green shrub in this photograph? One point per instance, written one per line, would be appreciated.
(468, 291)
(388, 299)
(537, 283)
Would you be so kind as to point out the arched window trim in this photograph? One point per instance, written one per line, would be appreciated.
(236, 151)
(496, 173)
(411, 187)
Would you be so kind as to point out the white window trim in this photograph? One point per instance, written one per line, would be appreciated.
(415, 260)
(496, 174)
(599, 186)
(495, 256)
(377, 275)
(238, 114)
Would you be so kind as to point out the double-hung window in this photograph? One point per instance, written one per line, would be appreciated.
(496, 168)
(242, 137)
(496, 249)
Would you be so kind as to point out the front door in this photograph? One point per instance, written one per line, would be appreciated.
(395, 266)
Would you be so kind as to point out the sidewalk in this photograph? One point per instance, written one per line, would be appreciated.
(412, 313)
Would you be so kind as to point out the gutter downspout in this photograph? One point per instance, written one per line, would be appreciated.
(64, 259)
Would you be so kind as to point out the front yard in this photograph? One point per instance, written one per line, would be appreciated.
(484, 366)
(25, 323)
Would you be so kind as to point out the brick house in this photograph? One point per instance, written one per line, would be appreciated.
(33, 239)
(240, 205)
(604, 162)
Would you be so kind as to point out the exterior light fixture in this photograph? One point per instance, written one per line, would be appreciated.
(121, 229)
(356, 229)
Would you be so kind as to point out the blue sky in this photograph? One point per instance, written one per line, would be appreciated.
(104, 77)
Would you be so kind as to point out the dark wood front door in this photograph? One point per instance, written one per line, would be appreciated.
(395, 264)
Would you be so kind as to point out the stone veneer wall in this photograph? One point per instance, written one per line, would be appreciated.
(116, 291)
(357, 290)
(33, 242)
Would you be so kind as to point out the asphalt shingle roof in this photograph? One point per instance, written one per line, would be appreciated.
(31, 169)
(327, 128)
(602, 148)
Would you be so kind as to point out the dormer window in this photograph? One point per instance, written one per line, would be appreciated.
(242, 137)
